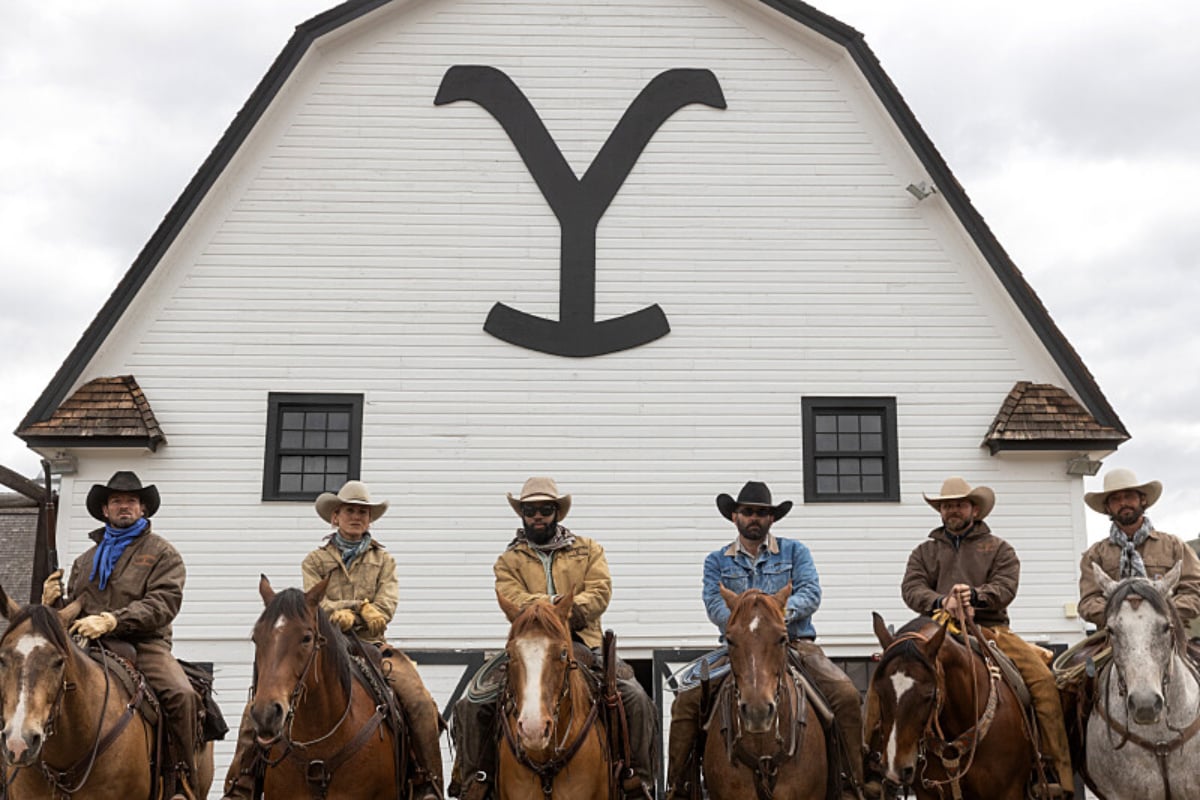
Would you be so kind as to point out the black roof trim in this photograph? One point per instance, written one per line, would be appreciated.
(1053, 445)
(75, 442)
(1010, 277)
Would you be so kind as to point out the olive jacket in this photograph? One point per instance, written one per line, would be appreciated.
(144, 591)
(1160, 552)
(521, 578)
(371, 577)
(983, 561)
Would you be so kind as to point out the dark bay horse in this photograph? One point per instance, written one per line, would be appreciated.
(1142, 734)
(320, 730)
(765, 740)
(554, 739)
(69, 729)
(941, 721)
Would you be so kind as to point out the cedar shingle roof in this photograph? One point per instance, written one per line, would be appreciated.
(105, 412)
(18, 529)
(1041, 416)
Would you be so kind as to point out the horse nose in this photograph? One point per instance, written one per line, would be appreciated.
(1145, 707)
(906, 776)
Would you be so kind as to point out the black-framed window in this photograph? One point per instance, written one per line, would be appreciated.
(850, 449)
(314, 444)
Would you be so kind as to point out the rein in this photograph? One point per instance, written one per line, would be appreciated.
(548, 770)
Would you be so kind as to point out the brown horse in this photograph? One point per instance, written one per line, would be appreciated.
(69, 729)
(549, 717)
(941, 721)
(319, 729)
(770, 742)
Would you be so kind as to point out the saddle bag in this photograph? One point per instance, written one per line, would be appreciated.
(212, 723)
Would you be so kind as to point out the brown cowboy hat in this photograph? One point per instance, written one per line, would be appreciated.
(956, 488)
(352, 493)
(754, 493)
(123, 482)
(537, 490)
(1117, 480)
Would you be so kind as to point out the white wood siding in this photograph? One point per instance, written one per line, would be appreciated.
(358, 240)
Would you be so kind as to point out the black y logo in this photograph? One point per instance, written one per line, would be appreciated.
(578, 204)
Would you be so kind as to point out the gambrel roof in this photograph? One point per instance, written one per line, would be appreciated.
(1081, 382)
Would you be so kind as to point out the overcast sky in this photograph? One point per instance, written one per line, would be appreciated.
(1074, 127)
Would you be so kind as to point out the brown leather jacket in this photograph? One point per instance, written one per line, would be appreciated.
(144, 591)
(985, 562)
(1160, 552)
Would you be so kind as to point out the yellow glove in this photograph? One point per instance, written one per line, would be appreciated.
(344, 618)
(95, 626)
(375, 619)
(52, 588)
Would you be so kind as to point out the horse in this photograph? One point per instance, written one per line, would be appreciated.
(70, 727)
(319, 728)
(555, 741)
(941, 721)
(1141, 736)
(771, 744)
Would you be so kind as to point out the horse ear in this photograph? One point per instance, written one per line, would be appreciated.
(782, 595)
(729, 596)
(264, 589)
(316, 594)
(68, 614)
(1168, 582)
(8, 606)
(881, 632)
(935, 641)
(1107, 584)
(510, 609)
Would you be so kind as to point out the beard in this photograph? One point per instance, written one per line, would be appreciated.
(540, 535)
(754, 531)
(1126, 515)
(958, 525)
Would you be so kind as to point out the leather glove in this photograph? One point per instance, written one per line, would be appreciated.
(578, 621)
(52, 588)
(344, 618)
(95, 625)
(375, 619)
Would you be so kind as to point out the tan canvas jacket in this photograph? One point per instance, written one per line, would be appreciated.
(583, 567)
(371, 576)
(983, 561)
(144, 591)
(1160, 552)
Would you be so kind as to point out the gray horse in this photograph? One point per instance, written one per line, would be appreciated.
(1141, 738)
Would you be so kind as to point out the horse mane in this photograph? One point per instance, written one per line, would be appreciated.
(1145, 589)
(756, 598)
(44, 622)
(292, 603)
(539, 615)
(907, 648)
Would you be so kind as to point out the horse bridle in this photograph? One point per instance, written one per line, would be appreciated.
(548, 770)
(765, 767)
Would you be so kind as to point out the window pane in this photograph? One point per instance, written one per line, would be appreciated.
(339, 421)
(334, 481)
(289, 483)
(871, 423)
(338, 464)
(292, 420)
(849, 485)
(314, 440)
(825, 423)
(291, 440)
(848, 442)
(847, 423)
(293, 464)
(827, 466)
(314, 464)
(826, 442)
(872, 441)
(847, 466)
(315, 420)
(827, 485)
(338, 441)
(314, 483)
(871, 466)
(872, 484)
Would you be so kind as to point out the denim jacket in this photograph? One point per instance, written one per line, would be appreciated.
(779, 561)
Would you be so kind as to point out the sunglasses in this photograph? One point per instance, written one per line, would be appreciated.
(548, 510)
(755, 512)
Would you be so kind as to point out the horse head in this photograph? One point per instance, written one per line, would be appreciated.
(292, 640)
(1146, 636)
(539, 666)
(757, 637)
(37, 662)
(902, 698)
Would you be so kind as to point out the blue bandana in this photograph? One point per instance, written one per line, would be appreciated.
(110, 548)
(351, 550)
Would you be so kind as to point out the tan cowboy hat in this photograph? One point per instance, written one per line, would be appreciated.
(955, 488)
(123, 482)
(352, 493)
(1117, 480)
(538, 489)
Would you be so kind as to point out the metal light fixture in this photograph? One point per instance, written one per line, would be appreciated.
(921, 190)
(62, 463)
(1082, 465)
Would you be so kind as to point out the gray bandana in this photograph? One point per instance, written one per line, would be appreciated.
(351, 550)
(561, 540)
(1131, 560)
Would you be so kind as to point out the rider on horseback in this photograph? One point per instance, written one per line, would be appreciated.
(547, 559)
(963, 568)
(759, 560)
(361, 599)
(131, 586)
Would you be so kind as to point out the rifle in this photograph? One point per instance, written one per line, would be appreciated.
(50, 519)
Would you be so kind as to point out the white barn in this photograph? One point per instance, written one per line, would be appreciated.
(748, 262)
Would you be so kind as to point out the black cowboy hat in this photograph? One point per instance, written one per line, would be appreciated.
(123, 482)
(754, 493)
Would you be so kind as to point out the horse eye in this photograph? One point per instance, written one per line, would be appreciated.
(729, 641)
(308, 639)
(1166, 627)
(57, 662)
(783, 640)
